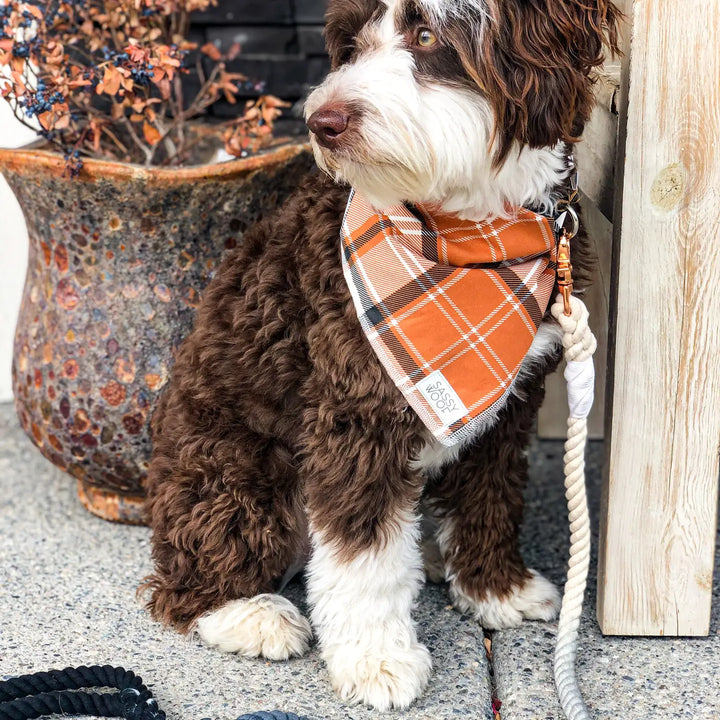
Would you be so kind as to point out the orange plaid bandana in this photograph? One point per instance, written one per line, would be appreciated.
(450, 306)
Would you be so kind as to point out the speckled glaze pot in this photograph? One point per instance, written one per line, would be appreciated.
(119, 257)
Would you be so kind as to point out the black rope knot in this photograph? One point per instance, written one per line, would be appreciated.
(139, 705)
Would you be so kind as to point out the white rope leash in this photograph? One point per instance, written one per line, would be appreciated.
(579, 344)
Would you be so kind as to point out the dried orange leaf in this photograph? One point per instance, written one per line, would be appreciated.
(211, 51)
(20, 87)
(62, 122)
(111, 81)
(45, 120)
(151, 134)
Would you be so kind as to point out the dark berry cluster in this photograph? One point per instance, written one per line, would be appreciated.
(91, 75)
(27, 20)
(117, 57)
(142, 75)
(40, 101)
(25, 48)
(5, 12)
(21, 49)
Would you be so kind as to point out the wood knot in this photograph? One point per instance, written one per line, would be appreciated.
(668, 190)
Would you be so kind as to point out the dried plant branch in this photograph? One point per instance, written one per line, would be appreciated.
(103, 77)
(146, 150)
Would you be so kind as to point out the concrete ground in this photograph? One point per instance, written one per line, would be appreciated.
(67, 597)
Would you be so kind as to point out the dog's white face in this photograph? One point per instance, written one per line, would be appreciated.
(455, 103)
(411, 134)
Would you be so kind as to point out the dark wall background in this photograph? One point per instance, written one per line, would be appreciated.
(283, 50)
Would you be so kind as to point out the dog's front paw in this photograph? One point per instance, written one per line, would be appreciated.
(391, 675)
(265, 625)
(537, 599)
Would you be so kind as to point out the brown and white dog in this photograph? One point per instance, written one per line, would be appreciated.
(281, 441)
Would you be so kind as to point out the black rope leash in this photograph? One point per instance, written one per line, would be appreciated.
(62, 692)
(52, 693)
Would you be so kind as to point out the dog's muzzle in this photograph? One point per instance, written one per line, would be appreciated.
(328, 124)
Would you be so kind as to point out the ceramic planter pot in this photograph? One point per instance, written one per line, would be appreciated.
(118, 260)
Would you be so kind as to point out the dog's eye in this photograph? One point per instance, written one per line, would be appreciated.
(425, 37)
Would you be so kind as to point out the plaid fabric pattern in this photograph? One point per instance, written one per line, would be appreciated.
(450, 306)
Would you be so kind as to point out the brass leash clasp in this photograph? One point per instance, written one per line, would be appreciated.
(564, 266)
(564, 271)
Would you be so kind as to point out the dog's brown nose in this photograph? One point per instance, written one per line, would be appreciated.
(328, 124)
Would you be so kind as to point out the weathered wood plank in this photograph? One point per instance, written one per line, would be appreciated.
(596, 151)
(658, 519)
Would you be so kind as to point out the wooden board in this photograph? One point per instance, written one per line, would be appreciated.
(658, 520)
(596, 151)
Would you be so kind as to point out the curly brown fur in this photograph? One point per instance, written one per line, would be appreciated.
(224, 499)
(277, 379)
(535, 62)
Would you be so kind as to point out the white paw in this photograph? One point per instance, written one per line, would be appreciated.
(389, 676)
(267, 625)
(538, 599)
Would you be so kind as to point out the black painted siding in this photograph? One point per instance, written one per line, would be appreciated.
(283, 49)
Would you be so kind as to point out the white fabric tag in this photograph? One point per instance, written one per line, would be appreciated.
(580, 377)
(441, 397)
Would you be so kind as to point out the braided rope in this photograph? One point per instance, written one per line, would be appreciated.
(69, 679)
(579, 344)
(567, 637)
(54, 693)
(62, 703)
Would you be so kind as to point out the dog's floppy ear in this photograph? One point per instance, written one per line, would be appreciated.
(534, 63)
(343, 21)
